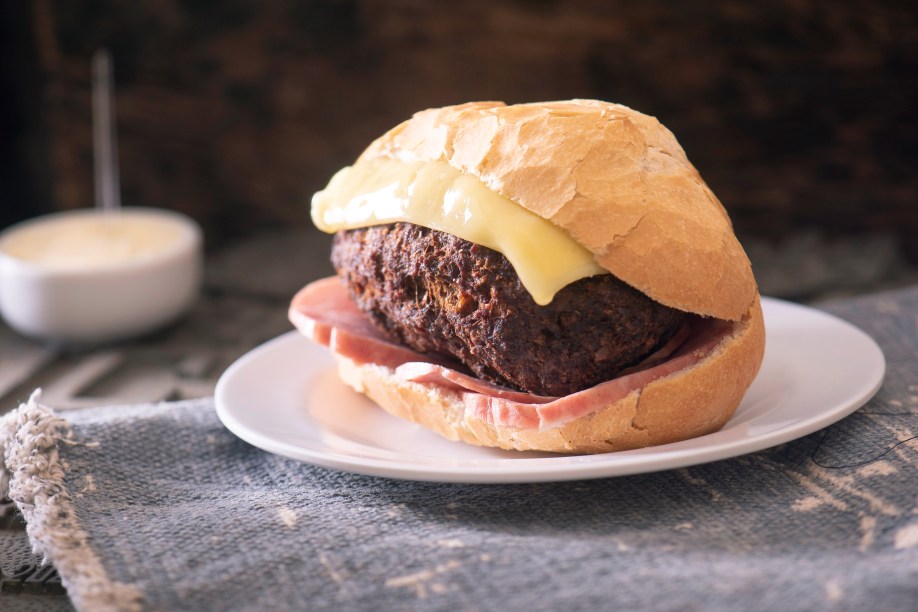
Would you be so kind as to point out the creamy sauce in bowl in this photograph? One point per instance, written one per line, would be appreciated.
(92, 241)
(89, 276)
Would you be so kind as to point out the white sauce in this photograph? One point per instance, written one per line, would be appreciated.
(92, 241)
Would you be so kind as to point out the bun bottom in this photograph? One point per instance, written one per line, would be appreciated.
(692, 402)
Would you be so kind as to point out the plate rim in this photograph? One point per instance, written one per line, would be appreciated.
(562, 467)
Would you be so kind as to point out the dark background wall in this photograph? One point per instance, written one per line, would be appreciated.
(799, 114)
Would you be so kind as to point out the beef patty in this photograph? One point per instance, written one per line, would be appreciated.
(441, 294)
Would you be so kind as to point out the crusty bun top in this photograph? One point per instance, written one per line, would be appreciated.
(615, 179)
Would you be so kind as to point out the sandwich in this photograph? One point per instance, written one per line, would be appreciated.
(551, 276)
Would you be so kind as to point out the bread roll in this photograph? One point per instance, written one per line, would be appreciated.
(619, 183)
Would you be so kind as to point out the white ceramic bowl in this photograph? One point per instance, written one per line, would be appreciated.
(86, 276)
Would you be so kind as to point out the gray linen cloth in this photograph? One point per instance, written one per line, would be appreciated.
(158, 507)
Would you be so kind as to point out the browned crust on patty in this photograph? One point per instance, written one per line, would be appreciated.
(441, 294)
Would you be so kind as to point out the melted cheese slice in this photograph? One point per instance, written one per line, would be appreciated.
(437, 196)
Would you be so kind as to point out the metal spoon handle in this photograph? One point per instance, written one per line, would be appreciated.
(105, 143)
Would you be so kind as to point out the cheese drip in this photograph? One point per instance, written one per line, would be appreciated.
(437, 196)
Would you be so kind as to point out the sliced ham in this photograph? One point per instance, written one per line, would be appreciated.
(325, 313)
(507, 412)
(324, 305)
(421, 371)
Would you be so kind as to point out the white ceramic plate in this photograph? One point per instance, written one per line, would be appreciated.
(285, 398)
